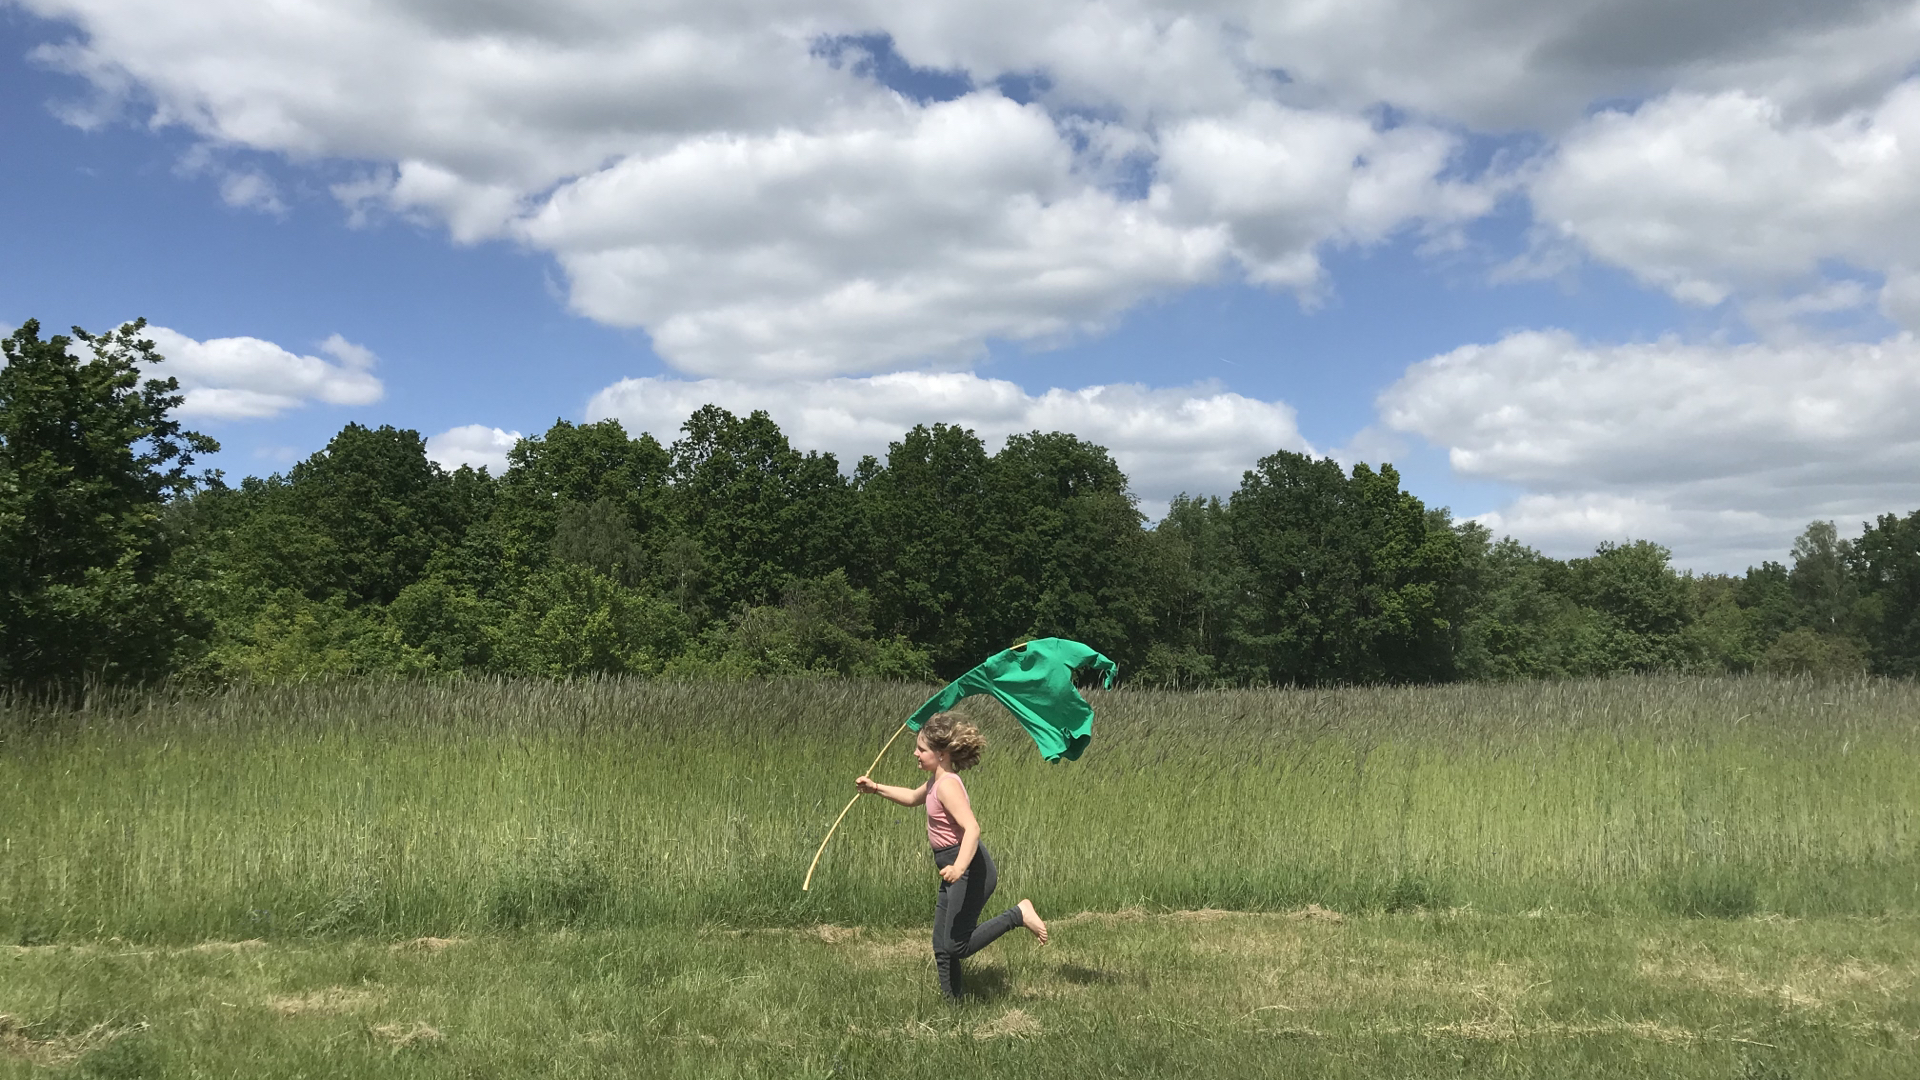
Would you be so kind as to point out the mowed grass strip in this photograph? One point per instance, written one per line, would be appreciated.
(464, 807)
(1305, 994)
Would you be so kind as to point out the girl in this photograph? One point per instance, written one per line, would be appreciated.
(948, 744)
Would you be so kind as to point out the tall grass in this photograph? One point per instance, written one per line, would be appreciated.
(416, 808)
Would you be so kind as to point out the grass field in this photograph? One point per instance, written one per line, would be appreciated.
(1626, 878)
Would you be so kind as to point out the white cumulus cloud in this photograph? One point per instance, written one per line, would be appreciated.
(472, 444)
(911, 237)
(237, 378)
(1708, 195)
(1717, 450)
(732, 178)
(1279, 182)
(1196, 439)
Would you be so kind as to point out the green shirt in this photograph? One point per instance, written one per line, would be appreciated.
(1035, 682)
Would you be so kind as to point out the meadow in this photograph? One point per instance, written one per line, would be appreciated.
(1659, 877)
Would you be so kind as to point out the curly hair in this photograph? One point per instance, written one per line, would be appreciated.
(956, 735)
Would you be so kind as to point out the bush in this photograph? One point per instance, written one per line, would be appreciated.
(820, 627)
(1822, 656)
(572, 620)
(291, 638)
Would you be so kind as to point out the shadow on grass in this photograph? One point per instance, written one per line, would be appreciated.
(987, 983)
(1086, 976)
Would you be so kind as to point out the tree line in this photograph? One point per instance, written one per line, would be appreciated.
(728, 553)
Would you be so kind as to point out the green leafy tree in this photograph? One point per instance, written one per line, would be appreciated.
(1806, 651)
(89, 456)
(761, 512)
(450, 624)
(1076, 554)
(287, 637)
(265, 541)
(1348, 581)
(820, 627)
(597, 535)
(1822, 580)
(1722, 635)
(381, 507)
(1643, 608)
(580, 465)
(1196, 581)
(1520, 620)
(1887, 567)
(1766, 595)
(936, 545)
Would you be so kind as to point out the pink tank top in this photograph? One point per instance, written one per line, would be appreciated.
(942, 830)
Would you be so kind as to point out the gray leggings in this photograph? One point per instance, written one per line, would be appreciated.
(957, 930)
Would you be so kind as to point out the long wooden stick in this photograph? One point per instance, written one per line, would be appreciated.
(807, 885)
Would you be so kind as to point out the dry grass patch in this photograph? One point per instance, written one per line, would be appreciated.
(1309, 981)
(50, 950)
(426, 945)
(1310, 913)
(1104, 918)
(1806, 984)
(18, 1040)
(1251, 942)
(1503, 1029)
(1203, 915)
(400, 1036)
(835, 935)
(896, 951)
(1316, 913)
(1012, 1024)
(330, 1001)
(227, 946)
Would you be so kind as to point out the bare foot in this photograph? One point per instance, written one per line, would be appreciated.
(1030, 919)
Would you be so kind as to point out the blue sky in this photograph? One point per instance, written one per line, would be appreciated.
(464, 333)
(1583, 291)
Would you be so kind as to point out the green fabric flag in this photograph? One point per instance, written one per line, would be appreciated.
(1035, 682)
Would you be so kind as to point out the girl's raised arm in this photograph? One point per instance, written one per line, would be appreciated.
(913, 796)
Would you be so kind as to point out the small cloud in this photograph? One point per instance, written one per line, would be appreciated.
(354, 356)
(242, 189)
(251, 190)
(240, 378)
(363, 197)
(472, 444)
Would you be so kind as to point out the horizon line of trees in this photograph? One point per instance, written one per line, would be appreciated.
(729, 553)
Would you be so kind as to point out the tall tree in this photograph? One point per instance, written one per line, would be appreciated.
(1643, 606)
(89, 454)
(1348, 580)
(580, 464)
(1887, 566)
(762, 512)
(1076, 553)
(1822, 580)
(1766, 594)
(380, 505)
(1196, 582)
(1520, 620)
(936, 545)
